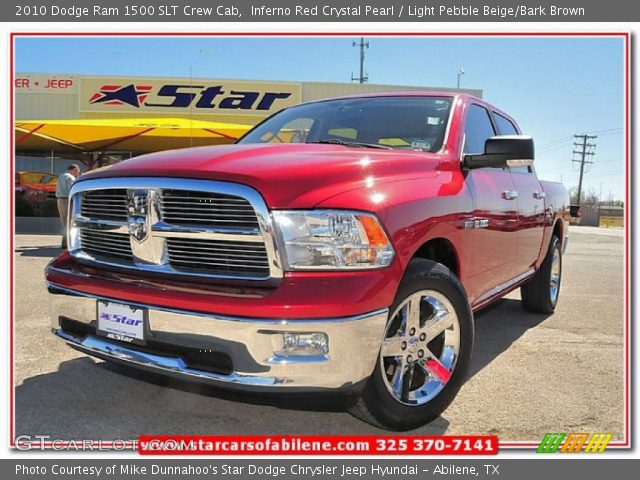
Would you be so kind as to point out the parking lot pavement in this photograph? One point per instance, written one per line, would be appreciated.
(530, 374)
(610, 232)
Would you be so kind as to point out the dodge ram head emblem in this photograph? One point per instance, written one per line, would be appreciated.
(138, 210)
(138, 228)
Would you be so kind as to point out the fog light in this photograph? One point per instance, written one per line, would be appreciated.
(303, 344)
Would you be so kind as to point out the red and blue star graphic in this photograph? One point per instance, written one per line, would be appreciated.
(132, 95)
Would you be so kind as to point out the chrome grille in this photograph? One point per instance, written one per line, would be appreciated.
(104, 244)
(221, 256)
(203, 208)
(108, 204)
(174, 226)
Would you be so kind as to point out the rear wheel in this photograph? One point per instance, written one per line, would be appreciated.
(425, 352)
(540, 295)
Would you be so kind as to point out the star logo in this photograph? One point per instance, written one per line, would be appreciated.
(131, 94)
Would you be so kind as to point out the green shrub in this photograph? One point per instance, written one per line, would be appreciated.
(27, 206)
(49, 208)
(24, 207)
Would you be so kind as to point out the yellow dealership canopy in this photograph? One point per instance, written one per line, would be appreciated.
(138, 135)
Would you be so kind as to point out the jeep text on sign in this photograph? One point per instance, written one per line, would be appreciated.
(34, 83)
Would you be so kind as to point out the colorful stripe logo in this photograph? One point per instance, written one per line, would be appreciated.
(574, 443)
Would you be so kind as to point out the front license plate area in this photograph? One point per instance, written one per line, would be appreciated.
(122, 322)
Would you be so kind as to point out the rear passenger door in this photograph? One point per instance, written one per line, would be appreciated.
(531, 205)
(493, 225)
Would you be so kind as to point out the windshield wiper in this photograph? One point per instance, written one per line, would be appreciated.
(351, 144)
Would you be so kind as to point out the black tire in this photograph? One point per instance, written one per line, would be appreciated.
(537, 295)
(377, 405)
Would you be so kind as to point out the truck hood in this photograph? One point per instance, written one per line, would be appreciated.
(287, 175)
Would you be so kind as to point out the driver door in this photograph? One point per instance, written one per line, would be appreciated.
(494, 223)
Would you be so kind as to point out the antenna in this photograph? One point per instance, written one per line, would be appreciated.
(363, 78)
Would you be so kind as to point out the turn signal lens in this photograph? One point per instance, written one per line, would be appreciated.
(372, 228)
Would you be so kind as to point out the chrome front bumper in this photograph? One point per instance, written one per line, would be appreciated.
(249, 343)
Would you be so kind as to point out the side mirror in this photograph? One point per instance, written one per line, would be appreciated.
(501, 152)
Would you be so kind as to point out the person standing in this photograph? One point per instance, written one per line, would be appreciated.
(65, 181)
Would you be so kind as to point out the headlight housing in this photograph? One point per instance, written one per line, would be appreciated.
(332, 240)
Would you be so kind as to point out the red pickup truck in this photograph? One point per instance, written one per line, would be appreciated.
(341, 245)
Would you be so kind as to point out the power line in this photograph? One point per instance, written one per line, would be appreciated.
(566, 140)
(611, 160)
(559, 140)
(542, 171)
(612, 130)
(607, 168)
(586, 150)
(553, 149)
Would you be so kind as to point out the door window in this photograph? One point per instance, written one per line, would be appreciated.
(477, 129)
(506, 127)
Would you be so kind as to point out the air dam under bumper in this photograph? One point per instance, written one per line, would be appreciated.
(248, 344)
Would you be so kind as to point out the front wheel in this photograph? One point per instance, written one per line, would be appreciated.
(425, 351)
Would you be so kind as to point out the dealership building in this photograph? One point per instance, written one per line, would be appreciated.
(97, 121)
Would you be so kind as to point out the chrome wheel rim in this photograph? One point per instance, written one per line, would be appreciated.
(554, 283)
(420, 348)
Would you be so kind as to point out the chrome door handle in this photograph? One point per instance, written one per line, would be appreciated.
(509, 195)
(539, 195)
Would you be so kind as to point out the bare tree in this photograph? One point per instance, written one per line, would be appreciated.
(588, 198)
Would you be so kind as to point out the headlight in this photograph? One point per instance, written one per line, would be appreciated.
(332, 240)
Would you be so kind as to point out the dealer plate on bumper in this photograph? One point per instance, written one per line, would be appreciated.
(122, 322)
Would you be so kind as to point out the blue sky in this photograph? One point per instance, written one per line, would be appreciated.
(554, 87)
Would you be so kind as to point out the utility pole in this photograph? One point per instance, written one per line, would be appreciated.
(585, 151)
(363, 78)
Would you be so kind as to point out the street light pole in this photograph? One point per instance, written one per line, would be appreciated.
(460, 73)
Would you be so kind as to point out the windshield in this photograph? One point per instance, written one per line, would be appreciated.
(410, 123)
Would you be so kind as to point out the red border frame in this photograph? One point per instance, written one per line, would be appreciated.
(626, 443)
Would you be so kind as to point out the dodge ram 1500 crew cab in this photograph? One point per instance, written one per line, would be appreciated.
(340, 245)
